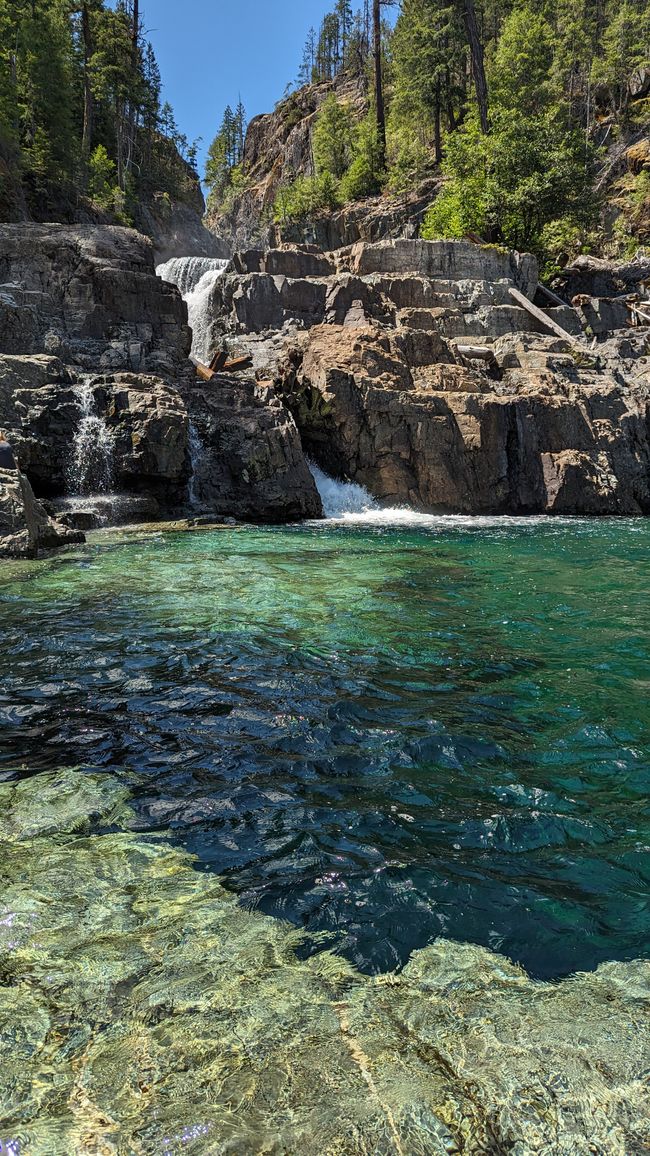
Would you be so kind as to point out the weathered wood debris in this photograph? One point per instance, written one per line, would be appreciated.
(220, 362)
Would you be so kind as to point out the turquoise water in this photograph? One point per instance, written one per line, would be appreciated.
(389, 734)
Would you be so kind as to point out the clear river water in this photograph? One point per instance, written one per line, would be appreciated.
(386, 732)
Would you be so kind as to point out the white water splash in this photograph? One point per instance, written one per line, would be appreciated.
(342, 500)
(195, 277)
(346, 503)
(90, 469)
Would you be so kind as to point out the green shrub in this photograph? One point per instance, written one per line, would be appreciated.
(102, 179)
(333, 138)
(305, 198)
(366, 174)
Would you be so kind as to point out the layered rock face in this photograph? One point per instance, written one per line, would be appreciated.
(81, 308)
(89, 295)
(411, 369)
(248, 455)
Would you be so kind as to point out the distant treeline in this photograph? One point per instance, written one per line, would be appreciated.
(80, 109)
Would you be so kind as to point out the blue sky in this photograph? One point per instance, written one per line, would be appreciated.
(210, 51)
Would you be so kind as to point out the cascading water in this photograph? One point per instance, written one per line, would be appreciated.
(195, 277)
(90, 469)
(342, 499)
(197, 450)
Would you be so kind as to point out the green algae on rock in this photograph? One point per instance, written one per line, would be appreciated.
(142, 1010)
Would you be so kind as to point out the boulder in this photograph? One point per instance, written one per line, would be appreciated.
(598, 277)
(297, 263)
(247, 455)
(25, 527)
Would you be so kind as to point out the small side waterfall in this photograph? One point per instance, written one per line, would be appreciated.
(195, 277)
(197, 450)
(347, 502)
(90, 470)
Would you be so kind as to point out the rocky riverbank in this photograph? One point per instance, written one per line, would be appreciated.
(84, 321)
(410, 367)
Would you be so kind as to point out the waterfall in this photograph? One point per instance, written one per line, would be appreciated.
(195, 277)
(90, 470)
(347, 502)
(197, 450)
(342, 499)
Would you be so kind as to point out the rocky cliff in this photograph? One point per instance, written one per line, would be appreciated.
(278, 148)
(89, 333)
(410, 368)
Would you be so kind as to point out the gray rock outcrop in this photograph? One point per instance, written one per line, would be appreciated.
(89, 295)
(551, 435)
(84, 321)
(25, 527)
(248, 454)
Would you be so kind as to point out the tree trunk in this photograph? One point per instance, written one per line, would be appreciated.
(379, 84)
(451, 116)
(437, 135)
(135, 35)
(478, 66)
(89, 108)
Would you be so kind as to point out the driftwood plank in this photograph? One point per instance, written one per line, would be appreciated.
(236, 364)
(541, 316)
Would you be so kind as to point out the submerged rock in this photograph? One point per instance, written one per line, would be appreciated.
(142, 1009)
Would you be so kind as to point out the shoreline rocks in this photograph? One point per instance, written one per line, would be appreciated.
(25, 527)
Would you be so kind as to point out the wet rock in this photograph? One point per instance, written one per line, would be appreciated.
(25, 527)
(146, 418)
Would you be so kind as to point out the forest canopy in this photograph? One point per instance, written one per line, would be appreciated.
(81, 115)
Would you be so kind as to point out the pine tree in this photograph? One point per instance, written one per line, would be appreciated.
(529, 172)
(306, 71)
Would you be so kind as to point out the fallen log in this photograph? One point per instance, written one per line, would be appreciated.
(204, 371)
(237, 364)
(636, 313)
(550, 294)
(218, 361)
(541, 316)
